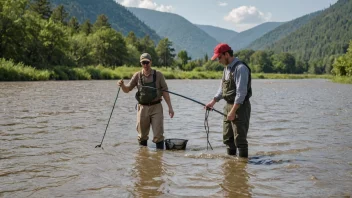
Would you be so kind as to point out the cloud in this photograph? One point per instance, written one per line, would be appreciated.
(222, 3)
(247, 15)
(148, 4)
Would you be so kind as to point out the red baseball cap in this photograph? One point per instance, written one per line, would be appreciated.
(219, 49)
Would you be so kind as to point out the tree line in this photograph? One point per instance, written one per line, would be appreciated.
(35, 34)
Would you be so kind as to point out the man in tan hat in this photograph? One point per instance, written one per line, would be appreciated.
(236, 89)
(150, 110)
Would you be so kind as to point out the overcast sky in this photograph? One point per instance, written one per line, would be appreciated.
(237, 15)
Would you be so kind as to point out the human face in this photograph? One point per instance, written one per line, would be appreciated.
(222, 59)
(146, 65)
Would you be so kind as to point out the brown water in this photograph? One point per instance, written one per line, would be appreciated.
(300, 142)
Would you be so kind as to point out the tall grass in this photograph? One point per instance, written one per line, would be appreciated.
(10, 71)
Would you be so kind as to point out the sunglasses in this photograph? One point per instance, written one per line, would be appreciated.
(145, 62)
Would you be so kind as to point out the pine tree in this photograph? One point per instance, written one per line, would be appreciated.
(42, 7)
(59, 14)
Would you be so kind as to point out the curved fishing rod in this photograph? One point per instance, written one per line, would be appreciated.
(185, 98)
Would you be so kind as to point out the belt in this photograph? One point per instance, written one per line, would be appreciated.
(151, 103)
(232, 102)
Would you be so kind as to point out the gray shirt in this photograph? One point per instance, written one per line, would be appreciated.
(241, 74)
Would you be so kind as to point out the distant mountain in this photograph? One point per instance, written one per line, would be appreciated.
(119, 17)
(281, 31)
(220, 34)
(184, 34)
(243, 39)
(327, 34)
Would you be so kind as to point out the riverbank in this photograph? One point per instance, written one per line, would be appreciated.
(20, 72)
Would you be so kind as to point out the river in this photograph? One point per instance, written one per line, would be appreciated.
(300, 142)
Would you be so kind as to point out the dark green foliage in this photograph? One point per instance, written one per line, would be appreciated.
(119, 17)
(243, 39)
(86, 27)
(325, 35)
(343, 64)
(165, 52)
(59, 15)
(73, 24)
(42, 7)
(281, 31)
(101, 22)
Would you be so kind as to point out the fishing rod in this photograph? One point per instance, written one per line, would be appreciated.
(99, 145)
(185, 98)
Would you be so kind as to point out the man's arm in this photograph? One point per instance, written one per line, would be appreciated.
(241, 80)
(127, 88)
(166, 95)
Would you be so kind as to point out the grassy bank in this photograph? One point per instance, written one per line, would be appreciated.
(19, 72)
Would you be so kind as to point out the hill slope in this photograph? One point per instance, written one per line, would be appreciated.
(327, 34)
(119, 17)
(184, 35)
(243, 39)
(220, 34)
(281, 31)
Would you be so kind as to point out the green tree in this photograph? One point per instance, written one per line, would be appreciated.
(12, 31)
(284, 63)
(184, 57)
(244, 55)
(165, 52)
(101, 22)
(206, 58)
(59, 15)
(42, 7)
(108, 47)
(343, 64)
(132, 39)
(74, 24)
(260, 62)
(86, 27)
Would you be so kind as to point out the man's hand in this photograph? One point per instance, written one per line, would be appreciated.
(231, 115)
(210, 104)
(171, 113)
(120, 83)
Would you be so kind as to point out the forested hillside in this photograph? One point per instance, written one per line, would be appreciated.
(243, 39)
(185, 35)
(220, 34)
(281, 31)
(119, 17)
(322, 39)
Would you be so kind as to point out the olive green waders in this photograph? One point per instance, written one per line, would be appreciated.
(235, 132)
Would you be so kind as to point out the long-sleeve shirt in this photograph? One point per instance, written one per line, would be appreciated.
(241, 75)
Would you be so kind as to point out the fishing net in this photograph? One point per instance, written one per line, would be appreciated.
(175, 144)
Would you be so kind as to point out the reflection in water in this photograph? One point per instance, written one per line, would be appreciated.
(149, 169)
(235, 183)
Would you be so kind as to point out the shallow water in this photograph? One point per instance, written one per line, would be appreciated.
(299, 142)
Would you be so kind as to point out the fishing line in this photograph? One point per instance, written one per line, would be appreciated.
(206, 125)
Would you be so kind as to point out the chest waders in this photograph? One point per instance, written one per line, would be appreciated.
(145, 96)
(235, 132)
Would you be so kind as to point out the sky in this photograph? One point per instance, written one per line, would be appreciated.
(236, 15)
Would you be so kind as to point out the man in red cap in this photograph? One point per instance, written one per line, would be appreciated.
(236, 89)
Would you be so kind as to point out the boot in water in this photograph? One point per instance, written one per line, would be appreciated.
(160, 145)
(143, 143)
(231, 149)
(243, 152)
